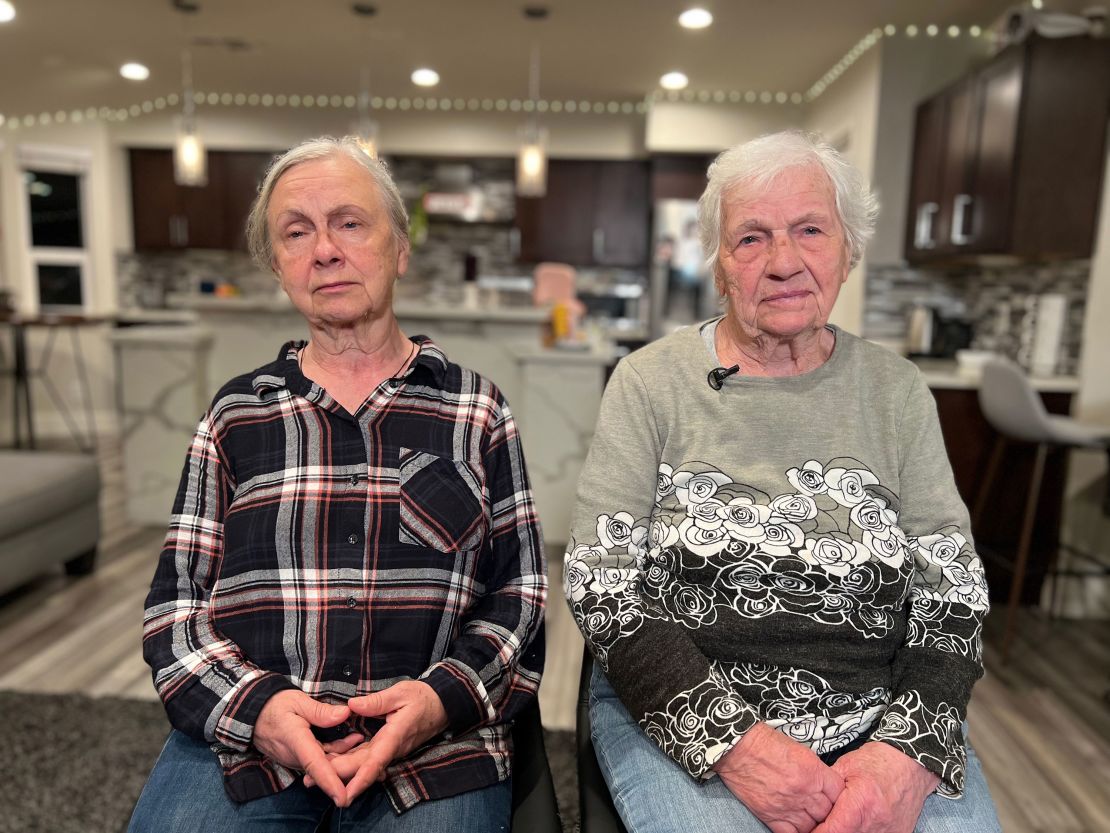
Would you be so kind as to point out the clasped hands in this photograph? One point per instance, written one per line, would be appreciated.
(874, 789)
(343, 769)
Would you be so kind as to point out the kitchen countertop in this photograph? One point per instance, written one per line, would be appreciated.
(402, 308)
(162, 335)
(946, 374)
(602, 355)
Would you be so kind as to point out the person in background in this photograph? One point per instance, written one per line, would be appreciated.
(348, 611)
(769, 558)
(686, 271)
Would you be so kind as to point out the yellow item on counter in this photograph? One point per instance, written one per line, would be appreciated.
(560, 321)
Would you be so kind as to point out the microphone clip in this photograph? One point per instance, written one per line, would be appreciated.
(716, 377)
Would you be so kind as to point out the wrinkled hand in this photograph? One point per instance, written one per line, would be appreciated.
(783, 783)
(283, 733)
(413, 714)
(884, 790)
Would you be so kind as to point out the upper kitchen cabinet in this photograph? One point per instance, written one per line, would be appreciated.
(595, 213)
(171, 216)
(1008, 161)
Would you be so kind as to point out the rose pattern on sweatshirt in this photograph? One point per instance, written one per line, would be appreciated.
(829, 549)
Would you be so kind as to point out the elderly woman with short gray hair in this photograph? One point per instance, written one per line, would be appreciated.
(348, 609)
(769, 558)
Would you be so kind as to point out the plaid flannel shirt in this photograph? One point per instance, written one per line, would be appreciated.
(339, 554)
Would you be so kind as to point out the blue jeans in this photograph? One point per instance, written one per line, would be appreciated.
(185, 793)
(653, 794)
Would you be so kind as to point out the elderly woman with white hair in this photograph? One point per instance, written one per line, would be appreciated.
(348, 610)
(769, 558)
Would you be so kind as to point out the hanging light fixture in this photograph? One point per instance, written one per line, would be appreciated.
(189, 160)
(366, 129)
(531, 158)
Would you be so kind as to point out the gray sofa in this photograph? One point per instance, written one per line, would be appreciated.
(48, 514)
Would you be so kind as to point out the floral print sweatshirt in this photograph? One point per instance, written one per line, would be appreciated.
(790, 550)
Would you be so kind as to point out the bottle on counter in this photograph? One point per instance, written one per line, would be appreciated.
(470, 281)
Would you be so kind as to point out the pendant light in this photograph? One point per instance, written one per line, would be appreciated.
(190, 164)
(366, 129)
(531, 157)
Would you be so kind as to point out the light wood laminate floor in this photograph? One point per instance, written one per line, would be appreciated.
(1041, 723)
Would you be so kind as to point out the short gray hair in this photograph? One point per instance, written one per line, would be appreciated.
(758, 163)
(324, 147)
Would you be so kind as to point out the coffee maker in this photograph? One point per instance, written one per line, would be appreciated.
(928, 334)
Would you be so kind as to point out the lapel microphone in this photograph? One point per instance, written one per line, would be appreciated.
(717, 376)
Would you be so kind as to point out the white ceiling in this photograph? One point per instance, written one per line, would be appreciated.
(64, 54)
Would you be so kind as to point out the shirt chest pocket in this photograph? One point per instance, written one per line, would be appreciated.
(441, 504)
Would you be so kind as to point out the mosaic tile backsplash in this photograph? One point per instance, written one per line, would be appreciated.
(1000, 302)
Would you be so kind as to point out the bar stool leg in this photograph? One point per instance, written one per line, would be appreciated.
(21, 394)
(1018, 581)
(988, 481)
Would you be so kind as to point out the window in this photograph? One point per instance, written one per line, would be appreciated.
(53, 187)
(55, 204)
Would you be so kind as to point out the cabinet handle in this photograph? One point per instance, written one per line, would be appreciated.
(514, 243)
(959, 218)
(599, 245)
(923, 231)
(179, 230)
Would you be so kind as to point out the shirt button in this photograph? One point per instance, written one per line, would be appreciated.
(354, 479)
(351, 602)
(352, 539)
(346, 670)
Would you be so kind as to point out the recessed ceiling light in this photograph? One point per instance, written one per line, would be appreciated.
(425, 77)
(7, 11)
(695, 18)
(674, 81)
(134, 71)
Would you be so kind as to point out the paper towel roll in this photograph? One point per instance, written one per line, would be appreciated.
(1048, 331)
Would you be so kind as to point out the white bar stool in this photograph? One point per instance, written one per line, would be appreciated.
(1017, 413)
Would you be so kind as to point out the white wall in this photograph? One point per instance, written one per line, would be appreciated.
(1093, 402)
(679, 127)
(846, 115)
(1085, 525)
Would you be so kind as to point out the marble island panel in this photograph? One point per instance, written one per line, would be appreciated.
(162, 390)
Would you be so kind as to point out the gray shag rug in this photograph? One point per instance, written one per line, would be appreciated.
(75, 764)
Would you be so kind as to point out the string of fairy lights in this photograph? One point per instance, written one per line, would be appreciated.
(495, 105)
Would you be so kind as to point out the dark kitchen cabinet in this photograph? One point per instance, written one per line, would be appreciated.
(166, 215)
(679, 176)
(595, 213)
(969, 440)
(243, 171)
(1009, 160)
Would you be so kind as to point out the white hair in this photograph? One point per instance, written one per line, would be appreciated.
(756, 164)
(324, 147)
